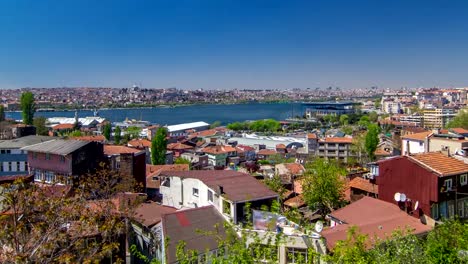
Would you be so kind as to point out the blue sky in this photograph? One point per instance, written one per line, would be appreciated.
(233, 43)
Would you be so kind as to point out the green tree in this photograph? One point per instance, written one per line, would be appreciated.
(344, 120)
(372, 140)
(359, 147)
(364, 121)
(215, 124)
(323, 185)
(446, 242)
(181, 160)
(2, 113)
(107, 131)
(117, 135)
(351, 250)
(28, 107)
(460, 120)
(238, 126)
(40, 124)
(373, 116)
(158, 147)
(133, 132)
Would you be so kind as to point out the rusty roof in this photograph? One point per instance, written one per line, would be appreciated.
(63, 126)
(266, 152)
(439, 163)
(375, 218)
(237, 186)
(418, 136)
(139, 143)
(178, 146)
(218, 149)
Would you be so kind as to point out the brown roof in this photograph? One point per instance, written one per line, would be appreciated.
(280, 146)
(363, 184)
(207, 133)
(155, 170)
(178, 146)
(440, 163)
(139, 143)
(375, 218)
(237, 186)
(266, 152)
(110, 150)
(63, 126)
(311, 136)
(418, 136)
(98, 138)
(295, 202)
(192, 226)
(381, 152)
(150, 213)
(338, 140)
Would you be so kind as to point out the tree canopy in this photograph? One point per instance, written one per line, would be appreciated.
(107, 131)
(117, 135)
(460, 120)
(28, 107)
(158, 147)
(323, 185)
(40, 124)
(372, 140)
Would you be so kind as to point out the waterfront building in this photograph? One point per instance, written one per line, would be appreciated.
(328, 108)
(183, 129)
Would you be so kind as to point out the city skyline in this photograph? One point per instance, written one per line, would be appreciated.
(233, 44)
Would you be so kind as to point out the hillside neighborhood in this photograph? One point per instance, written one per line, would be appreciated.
(283, 188)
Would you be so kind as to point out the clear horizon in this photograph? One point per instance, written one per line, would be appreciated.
(233, 44)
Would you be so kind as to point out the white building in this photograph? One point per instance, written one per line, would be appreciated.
(415, 143)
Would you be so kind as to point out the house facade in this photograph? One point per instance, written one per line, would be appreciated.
(62, 161)
(433, 183)
(228, 191)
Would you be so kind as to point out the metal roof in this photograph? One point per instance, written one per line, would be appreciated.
(23, 141)
(186, 126)
(57, 146)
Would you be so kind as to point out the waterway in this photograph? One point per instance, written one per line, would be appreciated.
(185, 114)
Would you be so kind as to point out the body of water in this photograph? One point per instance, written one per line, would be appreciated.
(185, 114)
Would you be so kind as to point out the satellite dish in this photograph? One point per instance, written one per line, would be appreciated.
(402, 197)
(397, 196)
(416, 205)
(319, 226)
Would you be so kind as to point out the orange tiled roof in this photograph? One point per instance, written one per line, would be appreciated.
(460, 130)
(418, 136)
(155, 170)
(63, 126)
(139, 143)
(338, 140)
(363, 184)
(218, 149)
(311, 136)
(440, 163)
(178, 146)
(280, 146)
(381, 152)
(295, 168)
(117, 150)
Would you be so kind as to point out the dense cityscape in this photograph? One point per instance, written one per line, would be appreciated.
(273, 132)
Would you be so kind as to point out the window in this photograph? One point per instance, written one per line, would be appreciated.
(62, 159)
(195, 192)
(155, 178)
(47, 156)
(166, 182)
(49, 177)
(296, 255)
(448, 184)
(38, 175)
(34, 155)
(463, 179)
(210, 196)
(9, 166)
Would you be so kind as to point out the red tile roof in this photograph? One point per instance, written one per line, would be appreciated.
(139, 143)
(218, 149)
(178, 146)
(460, 130)
(237, 186)
(363, 184)
(98, 138)
(155, 170)
(63, 126)
(266, 152)
(440, 163)
(311, 136)
(295, 168)
(375, 218)
(281, 146)
(110, 150)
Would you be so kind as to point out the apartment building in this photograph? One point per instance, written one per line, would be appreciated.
(338, 148)
(438, 117)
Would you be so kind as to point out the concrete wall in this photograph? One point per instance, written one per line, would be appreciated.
(414, 146)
